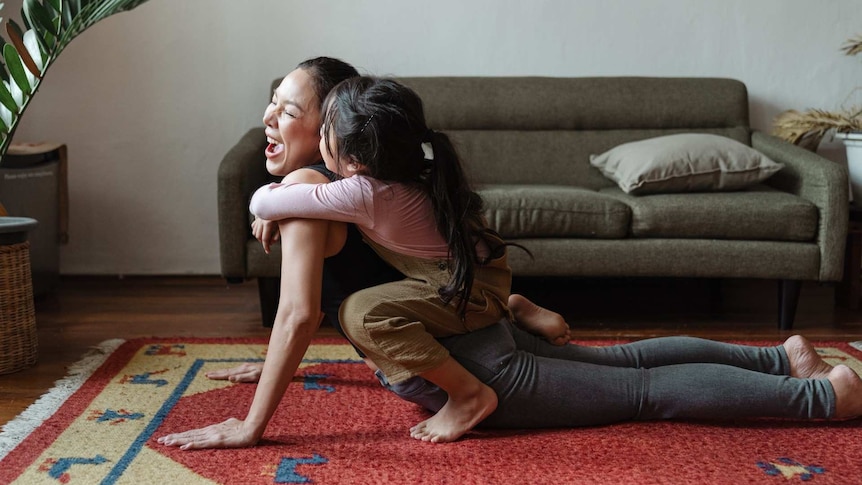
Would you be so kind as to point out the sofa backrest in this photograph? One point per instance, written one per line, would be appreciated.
(541, 130)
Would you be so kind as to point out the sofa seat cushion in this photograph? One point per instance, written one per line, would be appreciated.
(757, 213)
(537, 211)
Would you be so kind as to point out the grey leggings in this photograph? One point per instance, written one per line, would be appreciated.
(542, 385)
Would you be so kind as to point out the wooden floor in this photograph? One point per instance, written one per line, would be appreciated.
(84, 311)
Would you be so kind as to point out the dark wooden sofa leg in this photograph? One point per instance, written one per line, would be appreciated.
(268, 289)
(788, 299)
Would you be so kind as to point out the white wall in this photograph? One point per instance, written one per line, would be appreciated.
(149, 101)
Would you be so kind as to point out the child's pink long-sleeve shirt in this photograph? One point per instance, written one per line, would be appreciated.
(394, 215)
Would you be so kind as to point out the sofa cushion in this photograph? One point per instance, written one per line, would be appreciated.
(757, 213)
(684, 163)
(519, 211)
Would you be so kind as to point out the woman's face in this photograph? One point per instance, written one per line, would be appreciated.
(292, 122)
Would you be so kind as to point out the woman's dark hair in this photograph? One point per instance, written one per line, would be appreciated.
(326, 73)
(381, 124)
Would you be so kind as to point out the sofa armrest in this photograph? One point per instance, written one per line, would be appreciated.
(820, 181)
(241, 172)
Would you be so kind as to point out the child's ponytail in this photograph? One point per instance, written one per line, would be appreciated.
(458, 211)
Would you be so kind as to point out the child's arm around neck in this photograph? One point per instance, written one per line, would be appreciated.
(346, 200)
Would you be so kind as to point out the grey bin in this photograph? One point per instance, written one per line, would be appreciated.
(33, 184)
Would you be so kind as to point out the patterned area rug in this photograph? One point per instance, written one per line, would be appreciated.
(337, 425)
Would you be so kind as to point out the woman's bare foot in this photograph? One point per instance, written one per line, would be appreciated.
(457, 417)
(805, 362)
(539, 321)
(848, 392)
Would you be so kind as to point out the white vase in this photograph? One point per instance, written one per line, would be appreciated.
(853, 144)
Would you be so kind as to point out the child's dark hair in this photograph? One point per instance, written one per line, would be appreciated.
(380, 124)
(326, 73)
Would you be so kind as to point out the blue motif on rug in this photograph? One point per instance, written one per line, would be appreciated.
(286, 472)
(145, 378)
(58, 468)
(113, 417)
(311, 382)
(789, 468)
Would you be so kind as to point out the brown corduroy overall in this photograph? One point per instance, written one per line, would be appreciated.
(396, 324)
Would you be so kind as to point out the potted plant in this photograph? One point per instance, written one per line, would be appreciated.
(50, 25)
(808, 128)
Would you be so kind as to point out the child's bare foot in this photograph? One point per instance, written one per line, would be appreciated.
(539, 321)
(457, 417)
(848, 392)
(805, 362)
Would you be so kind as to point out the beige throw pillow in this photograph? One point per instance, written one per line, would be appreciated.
(684, 163)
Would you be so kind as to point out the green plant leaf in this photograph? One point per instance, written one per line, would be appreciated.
(7, 116)
(3, 74)
(27, 25)
(39, 16)
(50, 41)
(16, 92)
(40, 38)
(67, 13)
(31, 42)
(3, 128)
(6, 99)
(72, 7)
(17, 95)
(56, 5)
(16, 69)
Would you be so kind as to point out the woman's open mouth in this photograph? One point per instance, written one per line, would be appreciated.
(274, 148)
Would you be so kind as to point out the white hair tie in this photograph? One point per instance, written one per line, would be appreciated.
(428, 150)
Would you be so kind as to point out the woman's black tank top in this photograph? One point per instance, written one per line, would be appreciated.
(354, 268)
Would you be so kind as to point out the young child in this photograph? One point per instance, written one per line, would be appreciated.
(405, 188)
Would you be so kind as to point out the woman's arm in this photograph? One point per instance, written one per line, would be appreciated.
(336, 235)
(298, 316)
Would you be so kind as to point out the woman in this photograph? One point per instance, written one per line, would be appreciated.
(538, 384)
(292, 122)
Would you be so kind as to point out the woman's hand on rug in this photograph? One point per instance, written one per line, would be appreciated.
(246, 372)
(228, 434)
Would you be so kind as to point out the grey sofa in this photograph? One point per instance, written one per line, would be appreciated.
(526, 143)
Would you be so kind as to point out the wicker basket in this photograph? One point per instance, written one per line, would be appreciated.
(18, 340)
